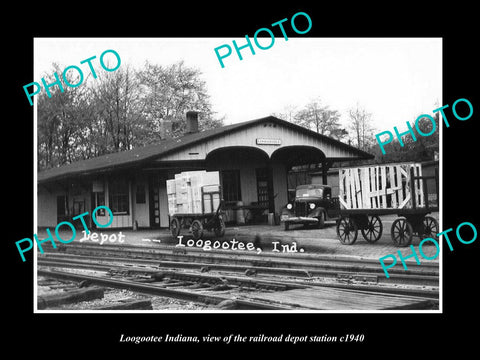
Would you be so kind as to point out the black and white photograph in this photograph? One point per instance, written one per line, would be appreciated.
(309, 184)
(265, 202)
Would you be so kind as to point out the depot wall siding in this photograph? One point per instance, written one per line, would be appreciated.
(47, 207)
(280, 186)
(119, 220)
(137, 212)
(249, 136)
(162, 193)
(248, 178)
(248, 184)
(141, 211)
(204, 153)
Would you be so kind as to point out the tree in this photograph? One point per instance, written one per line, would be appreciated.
(59, 121)
(288, 113)
(169, 92)
(421, 149)
(315, 117)
(318, 118)
(361, 126)
(118, 111)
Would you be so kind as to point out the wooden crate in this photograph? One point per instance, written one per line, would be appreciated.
(380, 187)
(185, 192)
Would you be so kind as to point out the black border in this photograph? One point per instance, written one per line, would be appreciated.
(409, 334)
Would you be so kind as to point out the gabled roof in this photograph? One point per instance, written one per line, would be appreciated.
(136, 156)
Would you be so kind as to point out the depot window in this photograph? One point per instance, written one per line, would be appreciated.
(231, 185)
(118, 197)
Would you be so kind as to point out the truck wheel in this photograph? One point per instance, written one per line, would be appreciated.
(321, 221)
(287, 225)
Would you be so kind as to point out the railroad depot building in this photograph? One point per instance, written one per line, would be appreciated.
(253, 159)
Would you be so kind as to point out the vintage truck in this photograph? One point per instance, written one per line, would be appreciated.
(366, 193)
(313, 205)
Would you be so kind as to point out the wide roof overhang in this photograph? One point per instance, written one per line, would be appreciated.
(167, 151)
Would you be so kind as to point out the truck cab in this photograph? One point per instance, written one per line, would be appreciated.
(313, 205)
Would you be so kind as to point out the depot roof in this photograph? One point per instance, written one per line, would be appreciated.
(143, 154)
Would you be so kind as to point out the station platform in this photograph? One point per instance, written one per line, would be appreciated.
(267, 237)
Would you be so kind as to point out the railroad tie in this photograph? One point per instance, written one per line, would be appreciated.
(69, 297)
(250, 272)
(227, 305)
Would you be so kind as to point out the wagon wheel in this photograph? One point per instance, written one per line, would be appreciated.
(430, 227)
(219, 230)
(175, 227)
(197, 229)
(347, 230)
(374, 229)
(402, 232)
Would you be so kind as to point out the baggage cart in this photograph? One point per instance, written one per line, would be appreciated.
(195, 203)
(366, 193)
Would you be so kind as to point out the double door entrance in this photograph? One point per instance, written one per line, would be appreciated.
(158, 201)
(265, 188)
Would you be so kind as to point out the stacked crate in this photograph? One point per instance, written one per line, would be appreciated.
(172, 197)
(184, 192)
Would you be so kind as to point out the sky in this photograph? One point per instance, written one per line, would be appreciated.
(394, 79)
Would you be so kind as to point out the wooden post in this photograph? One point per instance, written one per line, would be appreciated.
(400, 185)
(324, 172)
(358, 189)
(425, 192)
(412, 187)
(271, 196)
(384, 186)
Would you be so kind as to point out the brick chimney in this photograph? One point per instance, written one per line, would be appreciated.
(166, 129)
(192, 122)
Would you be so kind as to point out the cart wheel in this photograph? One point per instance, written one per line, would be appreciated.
(347, 230)
(197, 229)
(220, 228)
(430, 227)
(402, 232)
(175, 227)
(374, 229)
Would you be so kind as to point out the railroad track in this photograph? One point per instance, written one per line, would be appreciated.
(227, 292)
(290, 265)
(166, 286)
(213, 278)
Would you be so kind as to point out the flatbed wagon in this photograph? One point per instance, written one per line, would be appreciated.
(198, 222)
(195, 203)
(369, 192)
